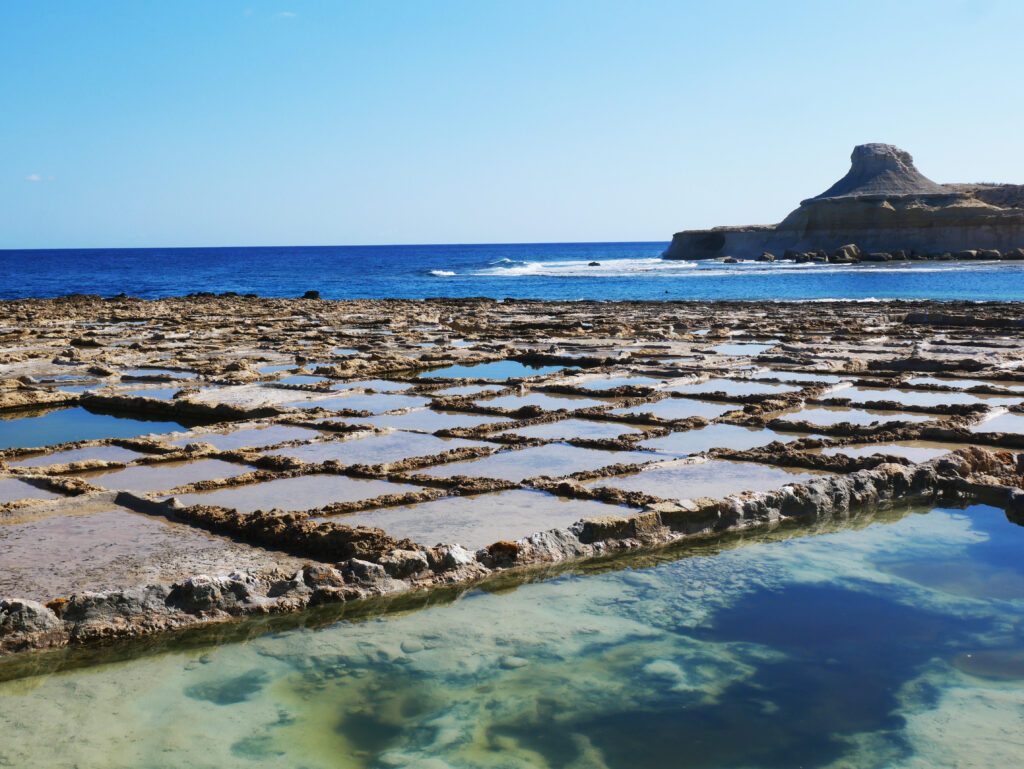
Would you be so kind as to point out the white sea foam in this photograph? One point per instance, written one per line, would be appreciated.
(658, 267)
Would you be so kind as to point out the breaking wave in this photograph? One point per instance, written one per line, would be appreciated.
(658, 267)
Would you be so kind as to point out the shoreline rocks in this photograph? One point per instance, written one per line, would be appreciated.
(885, 206)
(631, 370)
(967, 474)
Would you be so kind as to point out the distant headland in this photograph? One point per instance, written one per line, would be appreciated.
(883, 209)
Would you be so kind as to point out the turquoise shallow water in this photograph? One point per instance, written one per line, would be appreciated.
(890, 643)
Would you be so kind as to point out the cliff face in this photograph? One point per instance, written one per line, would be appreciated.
(882, 204)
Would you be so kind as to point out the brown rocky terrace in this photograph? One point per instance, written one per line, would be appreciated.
(182, 462)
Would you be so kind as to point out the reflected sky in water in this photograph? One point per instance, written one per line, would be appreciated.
(889, 643)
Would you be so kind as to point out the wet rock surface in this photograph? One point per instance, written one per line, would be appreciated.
(264, 497)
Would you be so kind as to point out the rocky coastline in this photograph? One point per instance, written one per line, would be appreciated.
(884, 209)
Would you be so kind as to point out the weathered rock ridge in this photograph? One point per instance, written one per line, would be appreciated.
(883, 204)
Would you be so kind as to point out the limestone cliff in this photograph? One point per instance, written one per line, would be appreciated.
(883, 204)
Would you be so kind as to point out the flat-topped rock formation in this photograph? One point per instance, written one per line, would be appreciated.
(885, 206)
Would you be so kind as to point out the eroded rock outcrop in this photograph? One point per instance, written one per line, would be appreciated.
(883, 205)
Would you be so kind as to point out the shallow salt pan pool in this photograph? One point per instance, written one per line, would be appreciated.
(893, 642)
(478, 520)
(833, 415)
(302, 493)
(915, 451)
(374, 449)
(546, 401)
(735, 387)
(554, 459)
(715, 478)
(427, 420)
(680, 408)
(567, 429)
(251, 437)
(13, 489)
(377, 403)
(164, 475)
(740, 348)
(502, 369)
(103, 453)
(1004, 423)
(722, 436)
(108, 549)
(921, 397)
(30, 429)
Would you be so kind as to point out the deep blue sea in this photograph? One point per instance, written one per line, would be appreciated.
(520, 270)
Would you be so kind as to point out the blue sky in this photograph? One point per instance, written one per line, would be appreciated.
(437, 121)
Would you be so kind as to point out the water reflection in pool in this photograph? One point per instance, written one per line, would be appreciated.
(845, 649)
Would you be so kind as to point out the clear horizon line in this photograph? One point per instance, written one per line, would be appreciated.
(336, 245)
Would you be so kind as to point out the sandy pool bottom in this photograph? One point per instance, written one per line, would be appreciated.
(843, 649)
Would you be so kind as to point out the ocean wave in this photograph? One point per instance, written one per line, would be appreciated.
(658, 267)
(579, 268)
(442, 273)
(865, 300)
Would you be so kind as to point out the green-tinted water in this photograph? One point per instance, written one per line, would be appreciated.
(881, 645)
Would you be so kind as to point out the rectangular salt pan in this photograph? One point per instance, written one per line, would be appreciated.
(740, 348)
(680, 408)
(915, 451)
(251, 437)
(374, 449)
(554, 459)
(504, 369)
(467, 390)
(477, 521)
(380, 385)
(159, 393)
(375, 404)
(1004, 423)
(30, 429)
(608, 384)
(733, 437)
(160, 372)
(103, 453)
(920, 397)
(833, 416)
(302, 493)
(797, 376)
(426, 420)
(13, 489)
(716, 479)
(573, 428)
(165, 475)
(966, 383)
(114, 549)
(302, 379)
(546, 401)
(734, 387)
